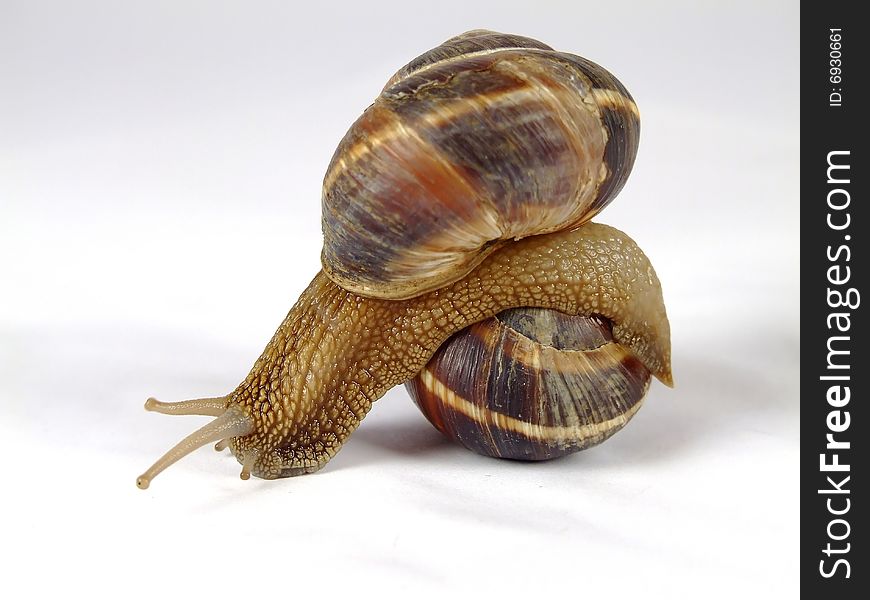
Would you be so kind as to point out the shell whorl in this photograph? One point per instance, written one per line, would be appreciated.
(487, 138)
(531, 384)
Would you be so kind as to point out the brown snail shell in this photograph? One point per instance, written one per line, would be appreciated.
(531, 384)
(485, 139)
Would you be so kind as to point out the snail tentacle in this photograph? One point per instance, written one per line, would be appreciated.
(207, 407)
(232, 422)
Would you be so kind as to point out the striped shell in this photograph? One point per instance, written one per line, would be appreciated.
(487, 138)
(531, 384)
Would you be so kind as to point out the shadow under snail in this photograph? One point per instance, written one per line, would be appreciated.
(459, 258)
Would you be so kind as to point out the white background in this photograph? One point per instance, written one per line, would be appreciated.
(160, 172)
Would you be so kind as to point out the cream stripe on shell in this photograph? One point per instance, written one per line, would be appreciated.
(546, 433)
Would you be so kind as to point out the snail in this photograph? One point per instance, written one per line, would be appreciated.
(459, 258)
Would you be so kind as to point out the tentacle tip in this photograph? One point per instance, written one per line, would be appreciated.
(151, 404)
(142, 482)
(248, 464)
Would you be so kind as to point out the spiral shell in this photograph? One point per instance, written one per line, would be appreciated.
(485, 139)
(531, 384)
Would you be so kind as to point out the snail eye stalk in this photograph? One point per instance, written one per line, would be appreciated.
(229, 422)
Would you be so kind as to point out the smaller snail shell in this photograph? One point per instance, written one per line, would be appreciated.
(531, 384)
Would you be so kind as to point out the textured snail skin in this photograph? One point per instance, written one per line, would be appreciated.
(337, 352)
(531, 384)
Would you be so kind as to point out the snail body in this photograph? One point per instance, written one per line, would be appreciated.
(428, 231)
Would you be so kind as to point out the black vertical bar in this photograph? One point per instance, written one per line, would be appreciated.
(834, 369)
